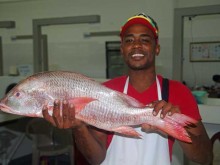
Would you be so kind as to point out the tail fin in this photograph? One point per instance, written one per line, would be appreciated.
(182, 119)
(174, 126)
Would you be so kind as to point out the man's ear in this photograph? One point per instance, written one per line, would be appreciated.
(121, 50)
(157, 51)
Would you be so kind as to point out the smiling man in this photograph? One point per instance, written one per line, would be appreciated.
(139, 48)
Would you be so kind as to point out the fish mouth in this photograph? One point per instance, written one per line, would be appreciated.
(5, 108)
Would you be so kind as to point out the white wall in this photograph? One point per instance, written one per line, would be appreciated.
(68, 49)
(194, 3)
(67, 46)
(200, 29)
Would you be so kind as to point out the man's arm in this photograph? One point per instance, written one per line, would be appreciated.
(91, 143)
(200, 150)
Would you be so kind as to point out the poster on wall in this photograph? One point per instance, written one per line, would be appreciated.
(204, 51)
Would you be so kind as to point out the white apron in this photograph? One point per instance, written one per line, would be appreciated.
(151, 149)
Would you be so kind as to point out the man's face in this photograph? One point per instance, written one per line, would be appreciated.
(139, 47)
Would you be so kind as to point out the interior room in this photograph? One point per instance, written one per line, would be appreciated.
(83, 36)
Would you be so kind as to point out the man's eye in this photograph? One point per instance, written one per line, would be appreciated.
(128, 40)
(145, 40)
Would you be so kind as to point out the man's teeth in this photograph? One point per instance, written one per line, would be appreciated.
(137, 55)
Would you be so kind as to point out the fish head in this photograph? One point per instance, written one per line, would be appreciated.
(27, 99)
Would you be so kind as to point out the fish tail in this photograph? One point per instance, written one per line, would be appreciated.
(175, 126)
(177, 131)
(182, 119)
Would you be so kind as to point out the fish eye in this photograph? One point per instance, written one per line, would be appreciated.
(17, 94)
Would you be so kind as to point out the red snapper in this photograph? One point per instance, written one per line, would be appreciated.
(94, 103)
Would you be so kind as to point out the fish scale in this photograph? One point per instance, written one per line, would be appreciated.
(94, 104)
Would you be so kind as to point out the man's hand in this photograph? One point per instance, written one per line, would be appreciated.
(63, 116)
(162, 107)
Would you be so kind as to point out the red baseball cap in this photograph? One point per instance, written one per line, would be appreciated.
(141, 19)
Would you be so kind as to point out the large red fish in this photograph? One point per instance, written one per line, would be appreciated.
(95, 104)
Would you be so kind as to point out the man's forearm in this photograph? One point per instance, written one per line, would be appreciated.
(200, 150)
(89, 144)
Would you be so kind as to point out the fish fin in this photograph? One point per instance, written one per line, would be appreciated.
(128, 131)
(80, 102)
(182, 119)
(177, 131)
(174, 126)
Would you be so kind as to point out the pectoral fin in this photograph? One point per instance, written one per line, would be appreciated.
(80, 102)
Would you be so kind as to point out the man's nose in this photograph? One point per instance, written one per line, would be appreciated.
(137, 44)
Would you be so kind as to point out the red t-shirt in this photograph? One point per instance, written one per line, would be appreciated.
(179, 95)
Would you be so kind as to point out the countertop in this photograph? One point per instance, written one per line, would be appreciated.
(210, 111)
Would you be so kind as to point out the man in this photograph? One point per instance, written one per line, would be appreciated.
(139, 48)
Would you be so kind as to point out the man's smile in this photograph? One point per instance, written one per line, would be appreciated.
(137, 56)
